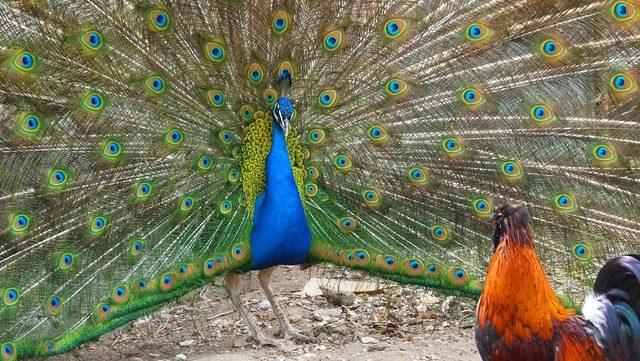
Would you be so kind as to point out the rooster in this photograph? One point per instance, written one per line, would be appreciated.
(521, 318)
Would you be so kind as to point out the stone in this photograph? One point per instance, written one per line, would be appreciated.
(181, 356)
(325, 314)
(264, 305)
(367, 340)
(187, 343)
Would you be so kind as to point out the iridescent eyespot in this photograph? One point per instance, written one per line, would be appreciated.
(342, 162)
(209, 268)
(452, 147)
(143, 191)
(472, 97)
(225, 136)
(186, 203)
(623, 11)
(552, 48)
(393, 28)
(311, 189)
(281, 21)
(98, 225)
(225, 207)
(135, 248)
(347, 224)
(204, 162)
(214, 51)
(20, 223)
(24, 61)
(371, 198)
(238, 252)
(155, 84)
(65, 261)
(313, 172)
(458, 276)
(10, 297)
(541, 115)
(413, 267)
(439, 233)
(388, 263)
(623, 83)
(91, 40)
(167, 281)
(173, 137)
(396, 87)
(120, 294)
(246, 112)
(511, 170)
(270, 96)
(377, 134)
(9, 352)
(286, 69)
(604, 153)
(57, 178)
(582, 252)
(233, 175)
(215, 98)
(142, 284)
(328, 98)
(418, 176)
(317, 136)
(482, 207)
(30, 124)
(334, 40)
(432, 269)
(111, 150)
(158, 19)
(93, 102)
(478, 33)
(255, 73)
(564, 203)
(54, 305)
(103, 311)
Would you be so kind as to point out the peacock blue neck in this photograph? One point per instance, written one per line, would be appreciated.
(280, 233)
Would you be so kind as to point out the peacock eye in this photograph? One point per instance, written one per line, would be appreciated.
(286, 69)
(623, 11)
(255, 73)
(281, 20)
(186, 204)
(155, 84)
(393, 28)
(328, 98)
(552, 48)
(93, 102)
(91, 40)
(396, 87)
(478, 33)
(623, 83)
(333, 40)
(417, 176)
(111, 149)
(24, 61)
(215, 98)
(30, 124)
(565, 203)
(605, 153)
(541, 115)
(269, 95)
(174, 137)
(452, 147)
(214, 51)
(159, 20)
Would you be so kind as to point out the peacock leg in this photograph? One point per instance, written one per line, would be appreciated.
(231, 286)
(286, 330)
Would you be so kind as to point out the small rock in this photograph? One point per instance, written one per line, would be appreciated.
(187, 343)
(446, 324)
(377, 347)
(295, 319)
(368, 340)
(181, 356)
(325, 314)
(135, 359)
(240, 342)
(430, 328)
(264, 305)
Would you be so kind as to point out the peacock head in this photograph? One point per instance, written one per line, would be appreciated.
(282, 113)
(283, 110)
(511, 221)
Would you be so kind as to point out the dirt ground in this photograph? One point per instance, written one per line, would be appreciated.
(361, 319)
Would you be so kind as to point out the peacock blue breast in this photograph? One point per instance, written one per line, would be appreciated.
(280, 234)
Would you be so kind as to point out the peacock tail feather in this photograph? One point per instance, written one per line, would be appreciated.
(134, 136)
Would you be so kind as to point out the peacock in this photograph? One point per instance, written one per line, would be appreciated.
(149, 147)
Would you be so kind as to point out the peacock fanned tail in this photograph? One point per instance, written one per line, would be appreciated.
(133, 139)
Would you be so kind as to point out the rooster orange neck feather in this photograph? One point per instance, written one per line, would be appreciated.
(518, 300)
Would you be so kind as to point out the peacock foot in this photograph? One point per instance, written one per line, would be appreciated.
(291, 333)
(262, 340)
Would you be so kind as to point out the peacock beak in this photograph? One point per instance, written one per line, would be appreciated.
(282, 120)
